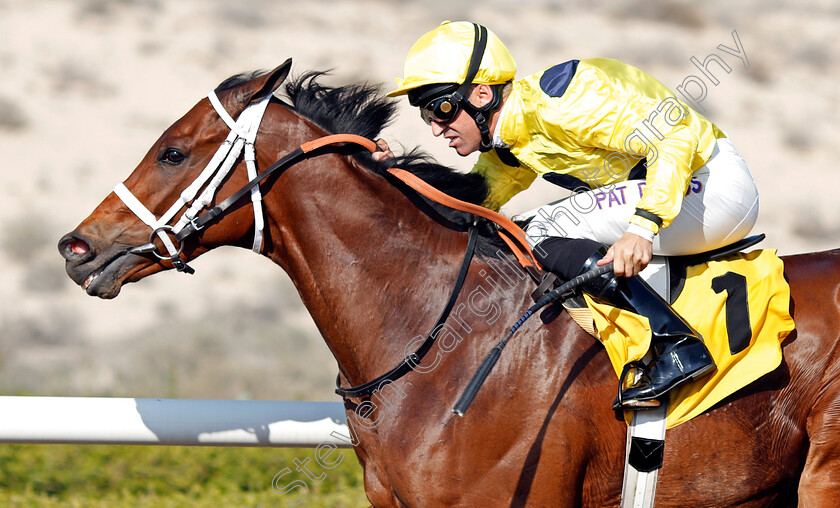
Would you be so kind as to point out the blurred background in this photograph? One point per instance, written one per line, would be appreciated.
(86, 87)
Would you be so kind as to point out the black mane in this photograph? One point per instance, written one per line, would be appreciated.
(362, 110)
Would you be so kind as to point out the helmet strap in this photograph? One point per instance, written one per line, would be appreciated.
(481, 115)
(479, 43)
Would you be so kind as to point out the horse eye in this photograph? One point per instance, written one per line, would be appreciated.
(172, 157)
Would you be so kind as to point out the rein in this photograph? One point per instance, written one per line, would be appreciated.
(517, 236)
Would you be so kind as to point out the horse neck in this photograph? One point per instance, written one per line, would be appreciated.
(373, 271)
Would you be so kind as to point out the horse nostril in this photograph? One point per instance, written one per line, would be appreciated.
(73, 248)
(78, 247)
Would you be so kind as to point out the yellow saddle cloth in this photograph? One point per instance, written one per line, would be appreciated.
(740, 305)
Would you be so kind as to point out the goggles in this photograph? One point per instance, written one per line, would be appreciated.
(441, 110)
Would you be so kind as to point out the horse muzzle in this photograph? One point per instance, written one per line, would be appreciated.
(97, 273)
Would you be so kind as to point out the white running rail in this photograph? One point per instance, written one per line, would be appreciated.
(185, 422)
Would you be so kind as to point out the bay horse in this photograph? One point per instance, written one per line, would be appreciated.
(374, 263)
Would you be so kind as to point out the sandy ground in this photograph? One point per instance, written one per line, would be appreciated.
(87, 86)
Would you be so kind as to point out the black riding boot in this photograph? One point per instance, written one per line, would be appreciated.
(679, 355)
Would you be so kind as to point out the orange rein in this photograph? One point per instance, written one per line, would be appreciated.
(338, 138)
(508, 225)
(516, 241)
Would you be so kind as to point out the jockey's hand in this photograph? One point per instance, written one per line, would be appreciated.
(383, 151)
(629, 255)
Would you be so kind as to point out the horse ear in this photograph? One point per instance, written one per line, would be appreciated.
(268, 83)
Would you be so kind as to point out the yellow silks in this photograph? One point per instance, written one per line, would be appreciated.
(610, 116)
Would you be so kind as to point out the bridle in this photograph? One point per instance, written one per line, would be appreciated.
(243, 133)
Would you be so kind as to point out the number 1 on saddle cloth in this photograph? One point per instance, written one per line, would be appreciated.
(675, 353)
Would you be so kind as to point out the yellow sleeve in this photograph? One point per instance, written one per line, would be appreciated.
(645, 223)
(503, 181)
(609, 106)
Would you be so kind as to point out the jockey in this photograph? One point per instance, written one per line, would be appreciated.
(649, 174)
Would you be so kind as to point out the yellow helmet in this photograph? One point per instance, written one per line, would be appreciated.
(443, 56)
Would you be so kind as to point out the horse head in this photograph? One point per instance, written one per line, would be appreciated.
(102, 252)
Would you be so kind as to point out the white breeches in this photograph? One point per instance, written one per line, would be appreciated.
(720, 207)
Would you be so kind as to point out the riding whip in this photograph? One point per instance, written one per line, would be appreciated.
(493, 356)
